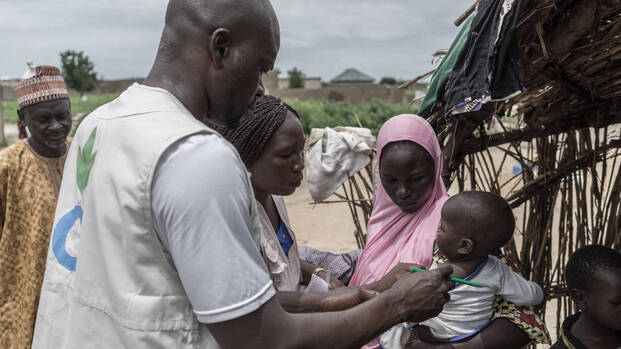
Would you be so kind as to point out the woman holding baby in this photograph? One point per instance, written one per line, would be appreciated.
(403, 227)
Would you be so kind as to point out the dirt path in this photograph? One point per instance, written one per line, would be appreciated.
(326, 227)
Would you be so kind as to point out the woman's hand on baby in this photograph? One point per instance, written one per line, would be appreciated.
(422, 295)
(393, 275)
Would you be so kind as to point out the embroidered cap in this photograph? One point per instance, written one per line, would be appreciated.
(41, 84)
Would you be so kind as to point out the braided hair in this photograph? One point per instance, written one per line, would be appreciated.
(256, 127)
(586, 261)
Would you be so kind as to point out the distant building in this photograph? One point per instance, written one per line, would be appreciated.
(309, 83)
(6, 89)
(352, 85)
(352, 76)
(272, 82)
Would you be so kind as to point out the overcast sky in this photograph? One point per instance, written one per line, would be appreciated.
(321, 37)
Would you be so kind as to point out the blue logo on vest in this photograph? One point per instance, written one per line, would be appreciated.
(86, 160)
(59, 239)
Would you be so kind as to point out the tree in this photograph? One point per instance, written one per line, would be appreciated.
(296, 78)
(388, 81)
(78, 71)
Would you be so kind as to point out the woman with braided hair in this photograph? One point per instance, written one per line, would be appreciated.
(270, 142)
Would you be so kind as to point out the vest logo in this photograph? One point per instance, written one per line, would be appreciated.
(86, 160)
(59, 238)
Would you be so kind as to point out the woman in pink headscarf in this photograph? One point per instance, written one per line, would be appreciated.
(408, 199)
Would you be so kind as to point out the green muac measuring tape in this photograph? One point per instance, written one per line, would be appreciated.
(461, 281)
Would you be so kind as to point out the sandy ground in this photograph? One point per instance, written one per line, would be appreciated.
(328, 227)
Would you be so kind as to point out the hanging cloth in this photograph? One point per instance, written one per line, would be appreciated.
(486, 69)
(442, 73)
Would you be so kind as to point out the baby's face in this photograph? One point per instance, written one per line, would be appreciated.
(448, 238)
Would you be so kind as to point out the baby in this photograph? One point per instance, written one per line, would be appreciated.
(593, 275)
(473, 225)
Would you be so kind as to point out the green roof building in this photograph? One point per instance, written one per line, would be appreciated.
(352, 75)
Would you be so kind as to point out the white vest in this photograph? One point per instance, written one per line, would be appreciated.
(107, 282)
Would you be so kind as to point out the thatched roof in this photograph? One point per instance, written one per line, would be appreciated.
(569, 58)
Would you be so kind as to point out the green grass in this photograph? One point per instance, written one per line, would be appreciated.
(320, 114)
(9, 111)
(77, 105)
(314, 114)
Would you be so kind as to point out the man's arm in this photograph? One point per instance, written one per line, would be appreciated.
(341, 298)
(414, 297)
(338, 299)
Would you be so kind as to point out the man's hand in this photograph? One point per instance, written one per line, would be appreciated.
(422, 295)
(393, 275)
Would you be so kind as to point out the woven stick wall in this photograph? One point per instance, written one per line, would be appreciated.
(560, 132)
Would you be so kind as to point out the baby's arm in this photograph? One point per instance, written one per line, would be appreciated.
(516, 289)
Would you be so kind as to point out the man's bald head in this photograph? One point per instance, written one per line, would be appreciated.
(213, 52)
(193, 20)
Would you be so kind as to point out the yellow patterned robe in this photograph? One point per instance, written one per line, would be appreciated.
(29, 185)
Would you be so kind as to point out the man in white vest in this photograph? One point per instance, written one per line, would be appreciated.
(153, 243)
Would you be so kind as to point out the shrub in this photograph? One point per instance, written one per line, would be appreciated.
(313, 114)
(320, 114)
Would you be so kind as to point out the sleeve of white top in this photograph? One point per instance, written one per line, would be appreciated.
(201, 209)
(516, 289)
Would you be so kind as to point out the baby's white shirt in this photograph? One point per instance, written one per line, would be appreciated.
(470, 308)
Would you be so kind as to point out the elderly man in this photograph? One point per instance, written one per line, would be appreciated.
(30, 175)
(154, 240)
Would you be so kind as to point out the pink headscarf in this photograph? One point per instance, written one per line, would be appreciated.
(394, 236)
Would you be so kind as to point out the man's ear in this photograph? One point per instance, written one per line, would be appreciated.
(219, 46)
(466, 246)
(579, 298)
